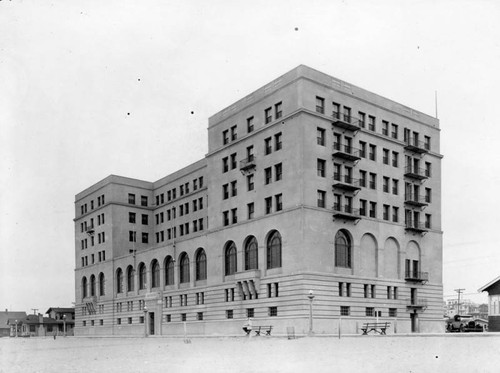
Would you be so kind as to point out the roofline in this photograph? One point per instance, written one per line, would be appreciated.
(489, 284)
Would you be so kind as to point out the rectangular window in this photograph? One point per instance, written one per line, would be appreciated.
(385, 184)
(373, 181)
(320, 136)
(386, 212)
(428, 169)
(369, 311)
(278, 172)
(345, 310)
(320, 105)
(372, 155)
(225, 218)
(321, 165)
(373, 291)
(183, 317)
(362, 178)
(229, 314)
(385, 156)
(251, 210)
(348, 289)
(225, 137)
(321, 198)
(395, 159)
(131, 199)
(393, 312)
(268, 174)
(145, 237)
(269, 205)
(273, 311)
(234, 215)
(144, 219)
(234, 189)
(279, 202)
(394, 131)
(132, 236)
(199, 316)
(341, 289)
(234, 133)
(336, 110)
(395, 186)
(373, 209)
(428, 193)
(278, 145)
(233, 161)
(278, 110)
(250, 312)
(395, 214)
(428, 221)
(362, 149)
(347, 114)
(250, 126)
(144, 201)
(362, 119)
(371, 123)
(362, 207)
(225, 164)
(366, 291)
(427, 142)
(268, 146)
(268, 115)
(385, 128)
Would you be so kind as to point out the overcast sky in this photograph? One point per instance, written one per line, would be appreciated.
(93, 88)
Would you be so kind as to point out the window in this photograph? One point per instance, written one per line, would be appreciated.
(233, 161)
(144, 219)
(394, 131)
(386, 212)
(395, 159)
(362, 119)
(320, 136)
(184, 268)
(278, 172)
(385, 156)
(183, 317)
(274, 250)
(268, 146)
(225, 137)
(373, 181)
(278, 145)
(428, 169)
(131, 217)
(369, 311)
(169, 271)
(225, 218)
(385, 128)
(273, 311)
(144, 201)
(130, 278)
(362, 207)
(250, 312)
(321, 198)
(268, 175)
(234, 134)
(427, 142)
(225, 164)
(362, 149)
(234, 215)
(371, 123)
(119, 280)
(393, 312)
(347, 114)
(362, 178)
(373, 209)
(250, 125)
(234, 189)
(336, 110)
(230, 259)
(225, 191)
(395, 186)
(132, 236)
(145, 237)
(342, 250)
(372, 155)
(199, 316)
(268, 115)
(229, 314)
(428, 193)
(428, 221)
(131, 199)
(395, 214)
(142, 276)
(155, 274)
(251, 254)
(250, 182)
(269, 205)
(278, 110)
(279, 202)
(345, 310)
(385, 184)
(321, 165)
(320, 105)
(251, 210)
(250, 155)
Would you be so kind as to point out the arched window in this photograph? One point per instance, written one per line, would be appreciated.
(201, 265)
(169, 271)
(274, 250)
(101, 284)
(84, 287)
(184, 268)
(119, 281)
(92, 286)
(142, 276)
(251, 254)
(155, 274)
(130, 278)
(342, 250)
(230, 258)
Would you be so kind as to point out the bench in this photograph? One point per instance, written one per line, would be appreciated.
(377, 327)
(259, 329)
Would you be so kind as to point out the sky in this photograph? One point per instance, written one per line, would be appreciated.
(93, 88)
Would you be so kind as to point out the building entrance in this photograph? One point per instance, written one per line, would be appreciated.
(151, 323)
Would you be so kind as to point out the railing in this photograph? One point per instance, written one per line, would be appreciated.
(414, 199)
(415, 145)
(417, 276)
(345, 209)
(346, 181)
(90, 229)
(346, 121)
(416, 302)
(416, 226)
(418, 173)
(247, 163)
(346, 151)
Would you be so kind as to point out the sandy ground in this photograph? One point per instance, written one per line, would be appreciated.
(440, 353)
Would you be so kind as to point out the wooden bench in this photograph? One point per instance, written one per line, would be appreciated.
(259, 329)
(377, 327)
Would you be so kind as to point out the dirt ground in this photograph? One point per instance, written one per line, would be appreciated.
(416, 353)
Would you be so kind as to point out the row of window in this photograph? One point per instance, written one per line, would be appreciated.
(388, 129)
(100, 202)
(101, 238)
(197, 226)
(183, 189)
(84, 227)
(271, 204)
(101, 257)
(89, 287)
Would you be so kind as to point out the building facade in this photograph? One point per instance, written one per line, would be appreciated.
(493, 290)
(309, 183)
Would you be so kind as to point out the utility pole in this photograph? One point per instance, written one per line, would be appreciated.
(34, 310)
(458, 302)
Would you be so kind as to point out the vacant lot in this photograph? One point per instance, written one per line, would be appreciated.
(444, 353)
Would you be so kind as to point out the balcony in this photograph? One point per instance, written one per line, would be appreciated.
(416, 303)
(248, 164)
(345, 212)
(345, 121)
(346, 152)
(416, 276)
(416, 200)
(346, 183)
(414, 145)
(416, 226)
(416, 173)
(90, 230)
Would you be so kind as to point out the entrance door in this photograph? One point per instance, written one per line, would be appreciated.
(414, 322)
(151, 323)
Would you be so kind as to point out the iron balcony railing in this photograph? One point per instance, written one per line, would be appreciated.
(346, 151)
(416, 200)
(416, 302)
(345, 210)
(416, 276)
(416, 226)
(247, 163)
(345, 121)
(414, 145)
(416, 173)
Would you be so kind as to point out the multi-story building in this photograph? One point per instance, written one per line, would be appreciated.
(310, 184)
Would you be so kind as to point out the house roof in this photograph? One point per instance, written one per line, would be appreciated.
(61, 309)
(489, 284)
(6, 315)
(34, 319)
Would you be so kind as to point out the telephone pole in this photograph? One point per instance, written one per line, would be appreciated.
(458, 302)
(34, 310)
